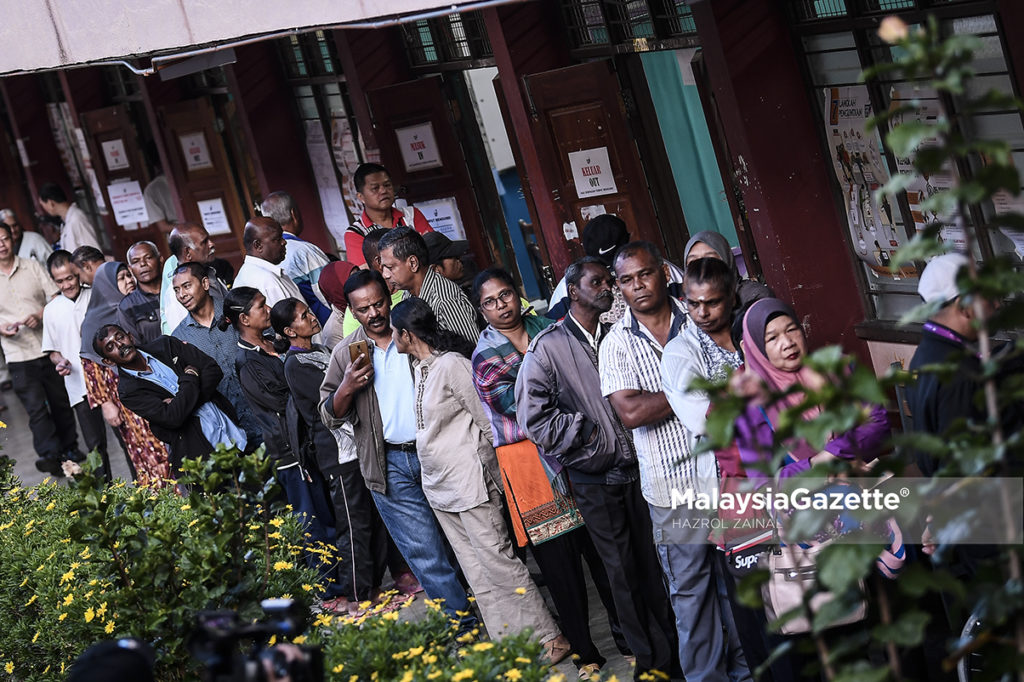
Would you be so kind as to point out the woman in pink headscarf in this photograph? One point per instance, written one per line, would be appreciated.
(332, 286)
(774, 347)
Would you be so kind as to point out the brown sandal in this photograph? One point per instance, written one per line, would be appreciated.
(557, 650)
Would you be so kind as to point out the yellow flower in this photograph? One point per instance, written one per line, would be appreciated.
(520, 590)
(67, 577)
(483, 646)
(407, 676)
(85, 553)
(390, 616)
(276, 523)
(62, 616)
(23, 583)
(306, 587)
(31, 599)
(523, 661)
(399, 655)
(89, 615)
(434, 675)
(462, 675)
(299, 640)
(416, 651)
(50, 506)
(35, 637)
(429, 658)
(282, 566)
(338, 668)
(68, 598)
(102, 610)
(109, 628)
(513, 674)
(9, 667)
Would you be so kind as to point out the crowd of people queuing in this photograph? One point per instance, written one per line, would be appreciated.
(432, 433)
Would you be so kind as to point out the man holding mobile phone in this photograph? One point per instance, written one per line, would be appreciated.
(369, 384)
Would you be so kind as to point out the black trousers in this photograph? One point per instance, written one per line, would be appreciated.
(41, 390)
(619, 523)
(360, 535)
(561, 563)
(94, 432)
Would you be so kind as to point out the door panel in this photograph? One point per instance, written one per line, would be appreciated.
(579, 108)
(111, 125)
(202, 173)
(417, 103)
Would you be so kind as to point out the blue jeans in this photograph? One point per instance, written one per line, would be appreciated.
(412, 525)
(310, 503)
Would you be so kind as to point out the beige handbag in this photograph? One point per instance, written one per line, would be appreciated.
(792, 572)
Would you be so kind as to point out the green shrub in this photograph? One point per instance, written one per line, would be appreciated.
(87, 562)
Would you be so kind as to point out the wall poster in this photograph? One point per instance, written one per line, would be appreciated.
(860, 168)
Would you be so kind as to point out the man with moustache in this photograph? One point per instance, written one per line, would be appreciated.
(139, 311)
(205, 305)
(62, 339)
(560, 408)
(173, 386)
(666, 450)
(376, 395)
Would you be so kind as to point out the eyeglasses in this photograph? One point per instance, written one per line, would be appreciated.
(506, 296)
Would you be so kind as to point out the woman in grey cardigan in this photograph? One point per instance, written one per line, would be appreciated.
(461, 478)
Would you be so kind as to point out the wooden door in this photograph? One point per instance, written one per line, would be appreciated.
(113, 144)
(203, 175)
(582, 137)
(419, 147)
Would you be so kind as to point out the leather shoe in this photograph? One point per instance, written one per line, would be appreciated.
(50, 465)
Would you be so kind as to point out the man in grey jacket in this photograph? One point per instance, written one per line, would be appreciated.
(375, 395)
(560, 407)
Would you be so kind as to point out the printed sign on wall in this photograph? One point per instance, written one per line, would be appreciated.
(114, 154)
(419, 147)
(592, 172)
(127, 202)
(197, 154)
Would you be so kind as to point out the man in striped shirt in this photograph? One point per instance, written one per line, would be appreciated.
(630, 366)
(405, 261)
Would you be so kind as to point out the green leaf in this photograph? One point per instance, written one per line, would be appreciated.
(862, 671)
(906, 137)
(908, 630)
(840, 566)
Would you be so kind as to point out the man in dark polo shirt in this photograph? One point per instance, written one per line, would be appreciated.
(139, 312)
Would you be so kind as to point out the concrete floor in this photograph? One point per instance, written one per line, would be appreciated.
(16, 443)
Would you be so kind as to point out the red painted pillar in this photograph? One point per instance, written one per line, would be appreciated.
(767, 116)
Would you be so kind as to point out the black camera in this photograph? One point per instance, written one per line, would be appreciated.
(231, 650)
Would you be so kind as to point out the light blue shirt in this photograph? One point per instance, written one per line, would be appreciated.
(392, 380)
(216, 425)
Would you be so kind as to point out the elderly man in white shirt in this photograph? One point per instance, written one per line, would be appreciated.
(264, 252)
(62, 339)
(27, 244)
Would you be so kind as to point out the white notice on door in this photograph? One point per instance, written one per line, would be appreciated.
(443, 215)
(592, 172)
(419, 147)
(114, 154)
(197, 154)
(127, 203)
(215, 218)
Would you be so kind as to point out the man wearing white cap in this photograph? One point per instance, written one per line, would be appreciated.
(935, 401)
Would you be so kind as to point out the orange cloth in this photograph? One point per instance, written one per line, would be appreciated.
(538, 512)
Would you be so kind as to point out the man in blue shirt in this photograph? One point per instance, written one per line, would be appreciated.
(205, 305)
(172, 385)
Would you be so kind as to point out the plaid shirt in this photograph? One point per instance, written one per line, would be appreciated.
(496, 364)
